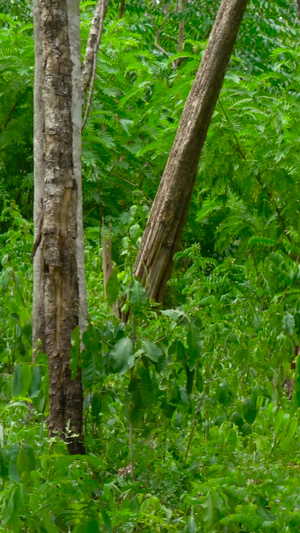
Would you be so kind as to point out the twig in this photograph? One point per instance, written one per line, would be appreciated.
(10, 114)
(156, 43)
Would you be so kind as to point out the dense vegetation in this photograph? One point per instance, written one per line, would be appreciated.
(191, 409)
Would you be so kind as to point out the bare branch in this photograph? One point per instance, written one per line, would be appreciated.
(122, 9)
(93, 45)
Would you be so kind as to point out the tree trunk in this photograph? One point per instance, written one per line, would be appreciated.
(298, 4)
(56, 292)
(168, 214)
(181, 27)
(77, 101)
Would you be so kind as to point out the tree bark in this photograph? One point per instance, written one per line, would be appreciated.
(38, 323)
(168, 214)
(93, 44)
(181, 27)
(77, 101)
(56, 306)
(298, 4)
(121, 9)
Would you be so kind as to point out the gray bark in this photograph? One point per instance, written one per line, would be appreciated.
(38, 302)
(168, 214)
(93, 43)
(74, 37)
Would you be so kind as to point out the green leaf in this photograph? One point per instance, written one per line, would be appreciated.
(152, 351)
(75, 351)
(91, 357)
(173, 314)
(232, 439)
(112, 289)
(137, 294)
(25, 461)
(17, 381)
(35, 387)
(194, 346)
(21, 380)
(289, 323)
(122, 355)
(13, 455)
(237, 419)
(147, 388)
(249, 411)
(134, 230)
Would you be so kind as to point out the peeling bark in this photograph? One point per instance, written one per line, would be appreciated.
(56, 198)
(169, 210)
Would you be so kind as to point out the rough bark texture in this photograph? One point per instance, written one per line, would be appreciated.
(168, 214)
(298, 4)
(56, 236)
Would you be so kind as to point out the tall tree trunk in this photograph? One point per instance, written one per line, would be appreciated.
(56, 292)
(77, 101)
(168, 214)
(298, 4)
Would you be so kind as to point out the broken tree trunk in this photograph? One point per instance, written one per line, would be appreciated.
(168, 214)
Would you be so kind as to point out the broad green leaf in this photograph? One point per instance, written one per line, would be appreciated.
(112, 289)
(17, 381)
(173, 314)
(152, 351)
(249, 411)
(91, 357)
(13, 455)
(25, 461)
(137, 294)
(232, 439)
(289, 323)
(147, 387)
(122, 355)
(21, 380)
(36, 382)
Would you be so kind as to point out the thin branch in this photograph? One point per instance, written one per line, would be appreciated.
(122, 9)
(240, 151)
(10, 114)
(90, 60)
(181, 32)
(156, 43)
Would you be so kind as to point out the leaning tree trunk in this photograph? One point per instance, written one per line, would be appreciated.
(168, 214)
(56, 287)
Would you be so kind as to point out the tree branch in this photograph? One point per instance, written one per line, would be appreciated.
(90, 60)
